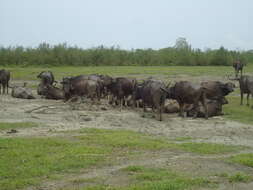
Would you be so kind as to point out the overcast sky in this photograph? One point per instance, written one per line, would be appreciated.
(128, 23)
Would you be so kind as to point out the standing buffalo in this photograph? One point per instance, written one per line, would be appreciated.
(238, 66)
(121, 88)
(80, 86)
(152, 93)
(4, 80)
(187, 93)
(246, 87)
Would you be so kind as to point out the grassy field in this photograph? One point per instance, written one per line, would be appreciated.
(30, 73)
(4, 126)
(27, 161)
(232, 110)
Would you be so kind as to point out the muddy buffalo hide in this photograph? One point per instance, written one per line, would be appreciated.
(22, 92)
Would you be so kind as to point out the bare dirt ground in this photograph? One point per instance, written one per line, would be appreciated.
(56, 117)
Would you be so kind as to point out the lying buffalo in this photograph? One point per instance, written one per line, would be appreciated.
(80, 86)
(52, 92)
(22, 92)
(4, 80)
(46, 77)
(217, 90)
(153, 94)
(214, 108)
(171, 107)
(185, 92)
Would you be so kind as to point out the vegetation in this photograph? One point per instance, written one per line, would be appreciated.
(169, 73)
(27, 161)
(129, 139)
(244, 159)
(144, 178)
(235, 111)
(62, 54)
(239, 177)
(236, 178)
(4, 126)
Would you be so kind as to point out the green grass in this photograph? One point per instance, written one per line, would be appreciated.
(235, 111)
(28, 161)
(156, 179)
(186, 138)
(208, 148)
(4, 126)
(239, 177)
(134, 140)
(244, 159)
(30, 73)
(236, 178)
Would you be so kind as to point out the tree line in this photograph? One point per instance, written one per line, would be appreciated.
(62, 54)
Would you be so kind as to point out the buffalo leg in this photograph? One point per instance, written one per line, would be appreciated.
(181, 109)
(251, 101)
(144, 107)
(161, 108)
(3, 88)
(203, 102)
(248, 99)
(120, 102)
(241, 98)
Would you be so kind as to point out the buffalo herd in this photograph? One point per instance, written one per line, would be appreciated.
(188, 99)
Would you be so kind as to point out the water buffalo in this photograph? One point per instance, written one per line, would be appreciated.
(22, 92)
(52, 92)
(171, 107)
(238, 66)
(80, 86)
(46, 77)
(214, 108)
(246, 87)
(187, 93)
(121, 88)
(217, 90)
(153, 94)
(4, 80)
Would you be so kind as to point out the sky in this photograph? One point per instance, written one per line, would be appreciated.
(130, 24)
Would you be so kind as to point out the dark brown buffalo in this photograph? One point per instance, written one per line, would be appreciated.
(238, 66)
(187, 93)
(4, 80)
(52, 92)
(121, 88)
(246, 87)
(214, 108)
(153, 94)
(217, 90)
(80, 86)
(46, 77)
